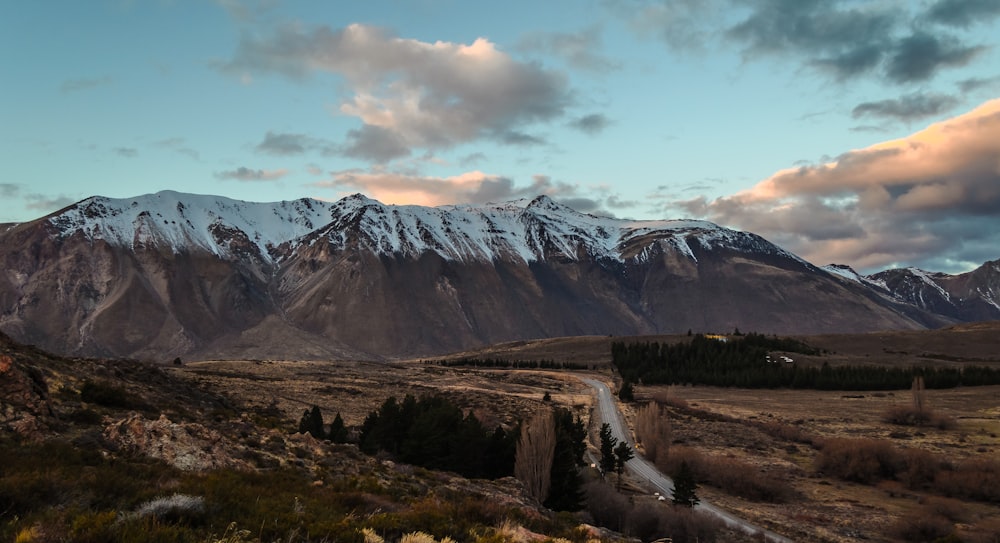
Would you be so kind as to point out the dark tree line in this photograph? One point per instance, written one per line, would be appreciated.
(513, 364)
(312, 423)
(434, 433)
(744, 363)
(565, 490)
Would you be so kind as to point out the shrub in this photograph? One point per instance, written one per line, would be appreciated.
(747, 481)
(104, 393)
(920, 526)
(647, 520)
(977, 479)
(860, 460)
(175, 508)
(607, 507)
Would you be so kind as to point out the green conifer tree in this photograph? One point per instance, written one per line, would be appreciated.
(623, 453)
(338, 432)
(685, 487)
(608, 442)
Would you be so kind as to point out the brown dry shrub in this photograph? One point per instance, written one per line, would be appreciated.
(650, 521)
(678, 454)
(606, 506)
(921, 468)
(921, 526)
(905, 415)
(652, 428)
(647, 520)
(977, 479)
(786, 432)
(664, 398)
(747, 481)
(729, 474)
(948, 508)
(860, 460)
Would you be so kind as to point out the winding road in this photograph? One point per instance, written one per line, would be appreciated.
(608, 412)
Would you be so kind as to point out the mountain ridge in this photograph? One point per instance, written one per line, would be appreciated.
(168, 274)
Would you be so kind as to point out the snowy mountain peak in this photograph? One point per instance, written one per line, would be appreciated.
(525, 230)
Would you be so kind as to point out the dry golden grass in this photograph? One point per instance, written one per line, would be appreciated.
(746, 425)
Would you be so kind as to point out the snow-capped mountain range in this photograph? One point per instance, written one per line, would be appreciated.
(524, 229)
(167, 274)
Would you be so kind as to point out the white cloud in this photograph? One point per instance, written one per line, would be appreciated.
(408, 93)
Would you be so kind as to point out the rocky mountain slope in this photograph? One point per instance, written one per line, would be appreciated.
(171, 274)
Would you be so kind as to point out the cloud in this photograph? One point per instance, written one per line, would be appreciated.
(248, 174)
(374, 143)
(908, 107)
(920, 56)
(847, 42)
(74, 85)
(394, 187)
(247, 11)
(408, 93)
(284, 144)
(684, 25)
(579, 49)
(522, 139)
(963, 13)
(976, 83)
(177, 145)
(127, 152)
(845, 39)
(9, 190)
(47, 203)
(898, 202)
(471, 158)
(592, 124)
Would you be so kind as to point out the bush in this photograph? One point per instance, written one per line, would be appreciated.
(175, 508)
(977, 479)
(920, 526)
(731, 475)
(647, 520)
(905, 415)
(105, 394)
(747, 481)
(860, 460)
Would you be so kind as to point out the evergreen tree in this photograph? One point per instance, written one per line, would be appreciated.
(626, 393)
(685, 487)
(338, 432)
(608, 442)
(623, 453)
(565, 486)
(312, 423)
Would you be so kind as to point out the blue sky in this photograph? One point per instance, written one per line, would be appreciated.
(851, 131)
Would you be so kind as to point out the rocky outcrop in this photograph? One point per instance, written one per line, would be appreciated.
(24, 399)
(187, 446)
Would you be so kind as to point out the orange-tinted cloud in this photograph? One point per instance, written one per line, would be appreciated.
(935, 192)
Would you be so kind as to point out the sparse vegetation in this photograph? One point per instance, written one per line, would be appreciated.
(647, 520)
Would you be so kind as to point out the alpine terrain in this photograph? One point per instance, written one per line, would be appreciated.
(172, 274)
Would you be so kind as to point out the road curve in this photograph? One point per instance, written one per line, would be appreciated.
(608, 412)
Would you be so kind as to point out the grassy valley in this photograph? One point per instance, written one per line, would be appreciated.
(102, 450)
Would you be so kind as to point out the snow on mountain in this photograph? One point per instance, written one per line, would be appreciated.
(527, 230)
(184, 221)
